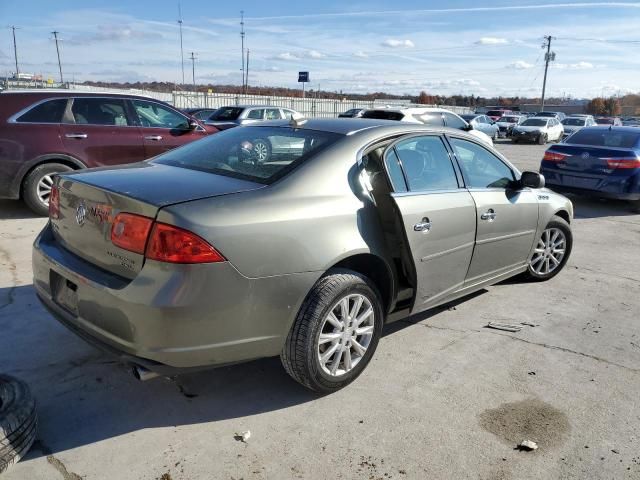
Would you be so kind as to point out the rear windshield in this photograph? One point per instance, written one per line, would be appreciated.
(534, 122)
(495, 113)
(383, 115)
(546, 114)
(603, 137)
(510, 119)
(576, 122)
(226, 113)
(604, 121)
(259, 154)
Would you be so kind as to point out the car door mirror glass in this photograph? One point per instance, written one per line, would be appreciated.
(531, 180)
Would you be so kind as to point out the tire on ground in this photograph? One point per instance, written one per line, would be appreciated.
(18, 421)
(30, 185)
(560, 223)
(299, 356)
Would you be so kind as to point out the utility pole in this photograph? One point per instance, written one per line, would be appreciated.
(181, 49)
(246, 82)
(548, 57)
(15, 49)
(193, 69)
(55, 36)
(242, 42)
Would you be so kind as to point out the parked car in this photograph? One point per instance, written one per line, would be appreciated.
(483, 124)
(507, 122)
(613, 121)
(46, 132)
(596, 161)
(306, 258)
(200, 113)
(229, 117)
(631, 122)
(436, 117)
(497, 113)
(573, 124)
(352, 113)
(538, 129)
(558, 115)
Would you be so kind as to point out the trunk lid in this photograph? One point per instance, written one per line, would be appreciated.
(90, 201)
(590, 160)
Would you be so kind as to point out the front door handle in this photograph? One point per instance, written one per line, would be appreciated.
(76, 135)
(155, 138)
(423, 226)
(489, 215)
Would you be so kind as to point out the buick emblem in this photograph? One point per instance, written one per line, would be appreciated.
(81, 213)
(585, 155)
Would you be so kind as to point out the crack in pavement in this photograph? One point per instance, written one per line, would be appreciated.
(426, 325)
(62, 469)
(593, 270)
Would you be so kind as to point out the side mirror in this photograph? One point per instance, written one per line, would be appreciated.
(532, 180)
(193, 125)
(468, 128)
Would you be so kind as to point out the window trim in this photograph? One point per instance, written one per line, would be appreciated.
(14, 118)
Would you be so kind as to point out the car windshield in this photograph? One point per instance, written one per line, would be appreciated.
(259, 154)
(383, 115)
(603, 137)
(226, 113)
(576, 122)
(534, 122)
(509, 119)
(604, 121)
(468, 117)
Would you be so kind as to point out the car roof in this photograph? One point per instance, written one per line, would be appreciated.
(412, 109)
(254, 106)
(56, 93)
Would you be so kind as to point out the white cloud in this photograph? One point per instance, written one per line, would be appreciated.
(286, 56)
(360, 54)
(316, 54)
(395, 43)
(520, 65)
(573, 66)
(492, 41)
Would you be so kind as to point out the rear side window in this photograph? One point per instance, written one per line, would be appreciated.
(603, 137)
(453, 121)
(426, 164)
(256, 114)
(99, 111)
(272, 114)
(226, 114)
(395, 171)
(50, 111)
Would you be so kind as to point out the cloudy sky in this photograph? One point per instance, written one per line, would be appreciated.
(460, 46)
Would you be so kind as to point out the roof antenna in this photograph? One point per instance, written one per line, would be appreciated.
(610, 127)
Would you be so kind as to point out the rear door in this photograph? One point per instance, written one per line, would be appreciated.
(163, 128)
(438, 215)
(99, 131)
(507, 219)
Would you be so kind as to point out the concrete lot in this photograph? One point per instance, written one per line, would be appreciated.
(444, 398)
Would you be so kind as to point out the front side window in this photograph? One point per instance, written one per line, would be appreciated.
(99, 111)
(454, 121)
(259, 154)
(288, 114)
(153, 114)
(50, 111)
(226, 114)
(256, 114)
(481, 168)
(426, 164)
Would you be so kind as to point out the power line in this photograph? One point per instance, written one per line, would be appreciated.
(55, 36)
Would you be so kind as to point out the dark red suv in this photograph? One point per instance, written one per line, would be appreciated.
(46, 132)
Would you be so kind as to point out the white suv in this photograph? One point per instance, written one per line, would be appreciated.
(428, 116)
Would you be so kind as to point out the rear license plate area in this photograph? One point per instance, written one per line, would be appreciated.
(580, 182)
(64, 293)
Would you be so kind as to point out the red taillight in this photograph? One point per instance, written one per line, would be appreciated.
(130, 232)
(54, 203)
(625, 162)
(175, 245)
(550, 156)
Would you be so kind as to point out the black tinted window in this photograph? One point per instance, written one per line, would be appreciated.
(426, 164)
(226, 114)
(99, 111)
(453, 121)
(50, 111)
(481, 168)
(603, 137)
(383, 115)
(259, 154)
(395, 172)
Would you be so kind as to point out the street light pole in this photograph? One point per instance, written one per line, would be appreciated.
(548, 57)
(55, 36)
(193, 69)
(15, 49)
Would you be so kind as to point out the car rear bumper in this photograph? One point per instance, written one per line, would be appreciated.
(622, 185)
(592, 193)
(171, 316)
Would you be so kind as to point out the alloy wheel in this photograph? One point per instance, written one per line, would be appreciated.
(43, 189)
(261, 151)
(345, 334)
(549, 251)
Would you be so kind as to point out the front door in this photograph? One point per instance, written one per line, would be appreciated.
(507, 219)
(163, 128)
(438, 215)
(99, 132)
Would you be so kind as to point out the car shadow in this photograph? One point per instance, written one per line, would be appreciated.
(591, 207)
(15, 210)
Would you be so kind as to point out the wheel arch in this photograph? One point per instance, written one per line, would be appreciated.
(42, 160)
(563, 214)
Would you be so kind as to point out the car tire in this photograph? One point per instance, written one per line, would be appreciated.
(543, 139)
(37, 186)
(635, 206)
(548, 248)
(261, 150)
(18, 421)
(303, 350)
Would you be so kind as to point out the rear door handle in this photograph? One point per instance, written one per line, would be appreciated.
(423, 226)
(76, 135)
(489, 215)
(156, 138)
